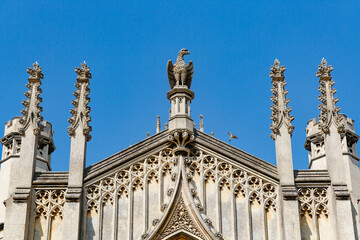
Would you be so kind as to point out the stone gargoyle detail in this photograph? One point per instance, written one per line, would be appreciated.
(180, 74)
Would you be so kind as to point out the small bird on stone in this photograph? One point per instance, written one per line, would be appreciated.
(232, 136)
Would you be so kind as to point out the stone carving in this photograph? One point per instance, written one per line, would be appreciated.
(181, 137)
(280, 111)
(231, 177)
(32, 112)
(328, 112)
(313, 201)
(132, 177)
(49, 203)
(179, 74)
(80, 113)
(181, 220)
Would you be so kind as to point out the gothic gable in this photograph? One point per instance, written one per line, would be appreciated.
(154, 192)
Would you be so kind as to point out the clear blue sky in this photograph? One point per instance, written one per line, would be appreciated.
(127, 45)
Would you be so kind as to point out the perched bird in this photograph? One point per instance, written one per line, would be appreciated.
(232, 136)
(180, 74)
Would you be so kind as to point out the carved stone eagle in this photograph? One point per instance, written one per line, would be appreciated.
(179, 74)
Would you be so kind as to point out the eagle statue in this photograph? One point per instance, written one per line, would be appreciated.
(180, 74)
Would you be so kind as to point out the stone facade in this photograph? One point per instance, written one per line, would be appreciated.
(180, 183)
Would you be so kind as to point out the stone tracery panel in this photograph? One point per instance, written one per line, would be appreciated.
(233, 198)
(136, 194)
(314, 213)
(49, 208)
(229, 198)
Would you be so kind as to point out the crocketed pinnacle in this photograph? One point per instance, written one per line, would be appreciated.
(280, 111)
(32, 112)
(80, 114)
(329, 113)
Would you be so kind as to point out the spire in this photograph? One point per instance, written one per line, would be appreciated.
(280, 112)
(158, 124)
(201, 125)
(32, 112)
(80, 113)
(328, 112)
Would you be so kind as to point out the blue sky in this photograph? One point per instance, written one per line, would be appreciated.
(127, 45)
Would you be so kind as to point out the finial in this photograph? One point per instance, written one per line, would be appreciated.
(180, 75)
(81, 111)
(166, 126)
(201, 125)
(324, 70)
(35, 73)
(158, 124)
(329, 113)
(277, 72)
(280, 110)
(147, 134)
(83, 72)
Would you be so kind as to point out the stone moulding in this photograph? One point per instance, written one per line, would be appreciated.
(280, 111)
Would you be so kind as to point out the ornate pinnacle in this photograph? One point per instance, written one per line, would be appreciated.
(83, 72)
(201, 125)
(277, 72)
(329, 113)
(81, 111)
(324, 70)
(158, 124)
(32, 112)
(35, 73)
(280, 110)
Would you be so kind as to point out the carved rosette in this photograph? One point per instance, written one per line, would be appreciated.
(329, 113)
(181, 138)
(32, 112)
(280, 111)
(81, 111)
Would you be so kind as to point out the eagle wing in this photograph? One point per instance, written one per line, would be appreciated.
(170, 73)
(189, 74)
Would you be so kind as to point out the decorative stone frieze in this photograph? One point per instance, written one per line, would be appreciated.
(32, 112)
(313, 201)
(80, 114)
(329, 113)
(280, 111)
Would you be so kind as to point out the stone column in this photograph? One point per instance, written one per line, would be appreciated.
(282, 130)
(330, 123)
(79, 133)
(18, 207)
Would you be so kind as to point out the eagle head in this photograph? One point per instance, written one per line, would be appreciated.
(183, 52)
